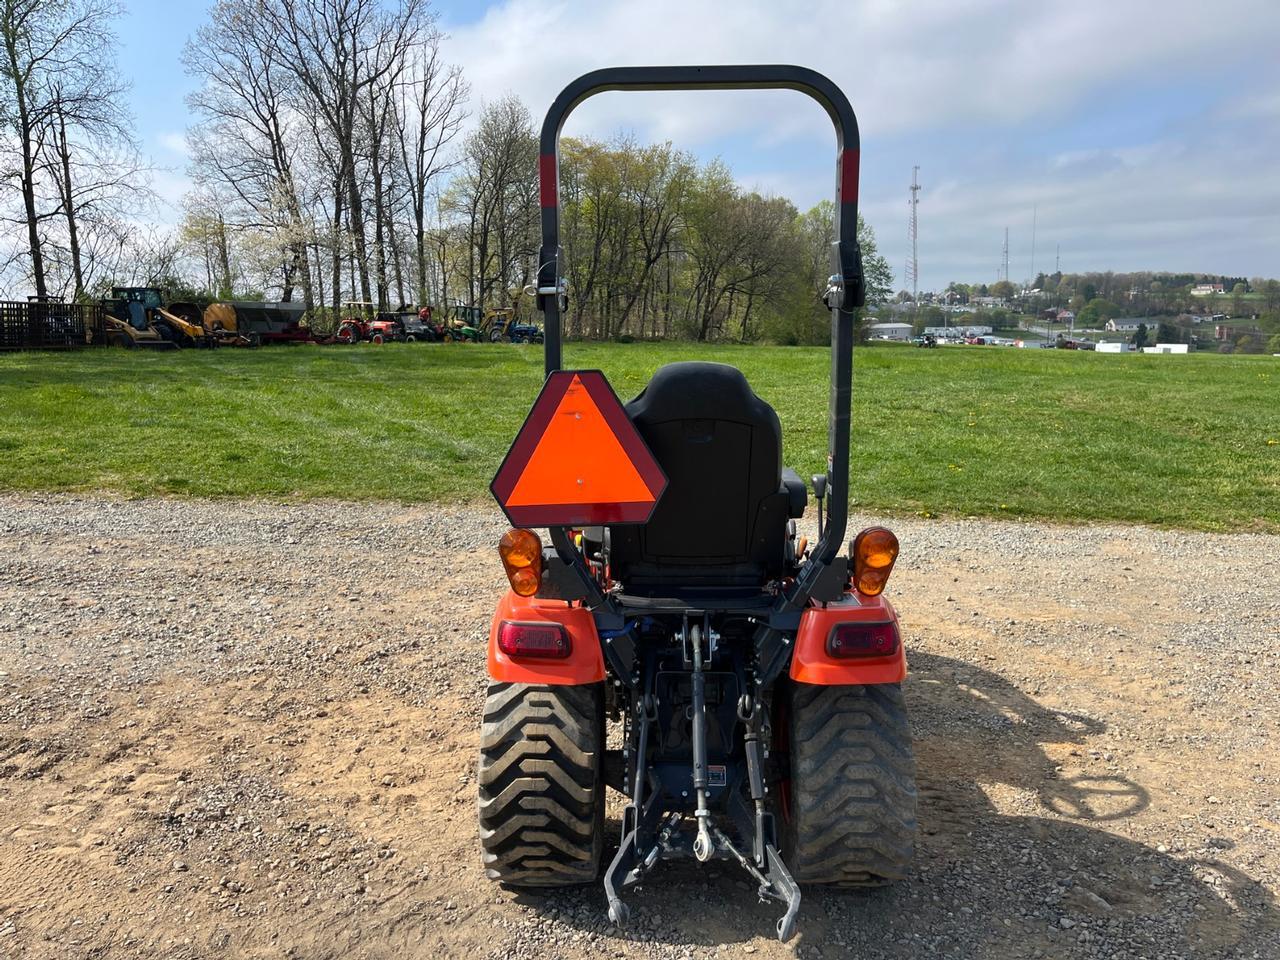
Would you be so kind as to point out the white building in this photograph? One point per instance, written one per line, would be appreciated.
(972, 330)
(1130, 324)
(1166, 348)
(1106, 346)
(890, 331)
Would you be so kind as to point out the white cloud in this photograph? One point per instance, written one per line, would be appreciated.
(171, 187)
(175, 143)
(1265, 104)
(1163, 208)
(922, 75)
(936, 63)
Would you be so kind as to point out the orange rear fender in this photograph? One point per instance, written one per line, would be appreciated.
(812, 663)
(585, 663)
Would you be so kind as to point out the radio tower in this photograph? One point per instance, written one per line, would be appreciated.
(1033, 244)
(913, 265)
(1004, 257)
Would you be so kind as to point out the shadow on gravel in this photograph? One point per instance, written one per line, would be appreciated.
(985, 884)
(964, 706)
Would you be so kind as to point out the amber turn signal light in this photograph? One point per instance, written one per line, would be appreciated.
(521, 553)
(874, 551)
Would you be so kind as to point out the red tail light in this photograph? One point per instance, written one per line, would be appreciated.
(863, 640)
(547, 640)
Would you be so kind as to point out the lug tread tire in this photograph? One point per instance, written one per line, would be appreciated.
(541, 784)
(853, 789)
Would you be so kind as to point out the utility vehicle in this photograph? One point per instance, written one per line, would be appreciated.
(755, 679)
(416, 328)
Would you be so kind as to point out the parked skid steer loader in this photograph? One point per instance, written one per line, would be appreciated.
(756, 680)
(129, 319)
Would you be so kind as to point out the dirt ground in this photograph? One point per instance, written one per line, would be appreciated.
(250, 731)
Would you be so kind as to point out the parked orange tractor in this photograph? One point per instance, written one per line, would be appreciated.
(755, 679)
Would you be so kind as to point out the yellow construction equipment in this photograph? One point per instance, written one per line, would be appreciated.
(128, 321)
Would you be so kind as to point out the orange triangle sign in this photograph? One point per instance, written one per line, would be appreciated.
(578, 460)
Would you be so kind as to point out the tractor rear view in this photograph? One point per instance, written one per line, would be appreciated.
(755, 678)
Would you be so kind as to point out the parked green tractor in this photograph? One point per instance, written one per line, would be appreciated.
(465, 323)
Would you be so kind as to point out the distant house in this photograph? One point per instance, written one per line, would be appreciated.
(988, 302)
(1206, 289)
(890, 331)
(1054, 315)
(1130, 324)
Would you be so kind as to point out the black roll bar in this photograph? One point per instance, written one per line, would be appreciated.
(845, 290)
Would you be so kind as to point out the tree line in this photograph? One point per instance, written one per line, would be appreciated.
(335, 161)
(337, 157)
(1100, 295)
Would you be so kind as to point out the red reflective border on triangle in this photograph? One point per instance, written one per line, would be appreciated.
(535, 424)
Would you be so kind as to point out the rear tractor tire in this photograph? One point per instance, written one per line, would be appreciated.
(541, 784)
(849, 816)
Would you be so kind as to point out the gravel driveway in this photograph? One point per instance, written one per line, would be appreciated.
(249, 730)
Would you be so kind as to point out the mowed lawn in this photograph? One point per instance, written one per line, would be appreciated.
(1190, 441)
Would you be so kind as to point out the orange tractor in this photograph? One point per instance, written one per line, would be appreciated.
(753, 680)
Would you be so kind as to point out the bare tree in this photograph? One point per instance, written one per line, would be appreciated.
(57, 75)
(435, 95)
(248, 103)
(496, 194)
(338, 49)
(94, 164)
(378, 113)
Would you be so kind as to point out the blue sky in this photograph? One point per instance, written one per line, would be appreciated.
(1144, 135)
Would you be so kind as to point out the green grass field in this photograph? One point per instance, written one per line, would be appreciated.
(1187, 441)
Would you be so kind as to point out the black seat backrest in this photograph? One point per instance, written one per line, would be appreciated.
(722, 520)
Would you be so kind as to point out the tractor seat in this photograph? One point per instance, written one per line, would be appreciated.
(722, 522)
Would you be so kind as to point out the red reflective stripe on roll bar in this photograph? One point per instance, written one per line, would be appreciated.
(848, 176)
(548, 193)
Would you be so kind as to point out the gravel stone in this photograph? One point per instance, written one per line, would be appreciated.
(285, 699)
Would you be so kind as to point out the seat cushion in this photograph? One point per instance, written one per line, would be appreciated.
(722, 519)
